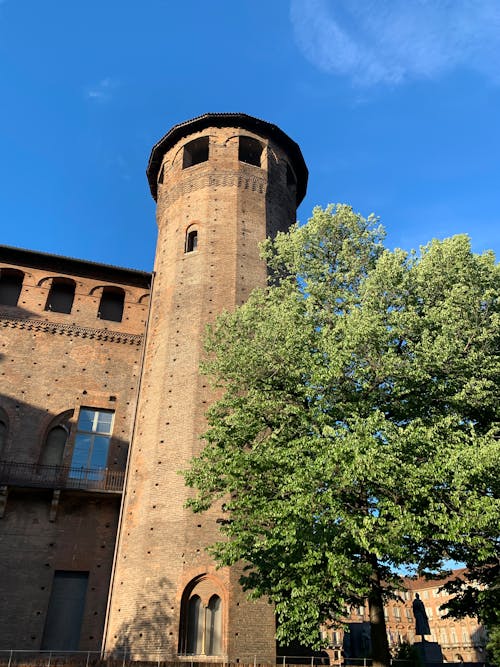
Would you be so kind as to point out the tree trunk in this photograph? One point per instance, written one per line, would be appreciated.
(381, 656)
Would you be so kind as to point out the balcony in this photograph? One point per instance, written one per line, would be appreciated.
(32, 475)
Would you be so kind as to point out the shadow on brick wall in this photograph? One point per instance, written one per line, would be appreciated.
(150, 628)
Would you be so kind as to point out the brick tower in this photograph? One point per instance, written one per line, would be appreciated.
(222, 182)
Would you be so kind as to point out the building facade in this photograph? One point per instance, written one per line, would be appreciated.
(461, 640)
(70, 356)
(102, 404)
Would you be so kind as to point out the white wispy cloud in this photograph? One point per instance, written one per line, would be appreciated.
(391, 41)
(103, 91)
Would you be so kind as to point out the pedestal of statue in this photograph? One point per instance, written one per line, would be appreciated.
(430, 652)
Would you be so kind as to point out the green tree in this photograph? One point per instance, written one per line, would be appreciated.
(477, 593)
(493, 645)
(355, 433)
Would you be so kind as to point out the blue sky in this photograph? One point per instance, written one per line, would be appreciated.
(395, 104)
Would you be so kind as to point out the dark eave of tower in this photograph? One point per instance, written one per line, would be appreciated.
(241, 120)
(74, 267)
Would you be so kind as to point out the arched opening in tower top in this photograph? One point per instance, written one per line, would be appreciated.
(11, 283)
(250, 151)
(195, 152)
(111, 305)
(61, 295)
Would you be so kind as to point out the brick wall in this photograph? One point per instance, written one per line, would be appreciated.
(232, 205)
(51, 363)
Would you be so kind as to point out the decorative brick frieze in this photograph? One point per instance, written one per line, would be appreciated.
(225, 179)
(71, 330)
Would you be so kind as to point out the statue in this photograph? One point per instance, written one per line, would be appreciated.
(421, 620)
(429, 652)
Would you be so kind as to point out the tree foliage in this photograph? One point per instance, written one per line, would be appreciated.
(356, 430)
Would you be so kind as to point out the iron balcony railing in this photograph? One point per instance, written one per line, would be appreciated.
(13, 473)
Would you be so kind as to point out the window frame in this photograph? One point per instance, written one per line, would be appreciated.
(191, 240)
(202, 618)
(90, 471)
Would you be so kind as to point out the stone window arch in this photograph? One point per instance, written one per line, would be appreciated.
(61, 295)
(191, 241)
(201, 623)
(111, 304)
(11, 284)
(56, 437)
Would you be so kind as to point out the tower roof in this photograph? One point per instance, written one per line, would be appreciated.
(241, 120)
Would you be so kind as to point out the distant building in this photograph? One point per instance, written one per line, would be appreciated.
(460, 640)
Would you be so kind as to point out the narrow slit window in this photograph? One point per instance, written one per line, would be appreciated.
(161, 174)
(61, 295)
(11, 283)
(195, 626)
(250, 151)
(213, 626)
(191, 240)
(111, 305)
(195, 152)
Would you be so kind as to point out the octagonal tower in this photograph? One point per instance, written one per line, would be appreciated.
(223, 183)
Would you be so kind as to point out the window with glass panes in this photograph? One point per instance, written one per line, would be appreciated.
(93, 434)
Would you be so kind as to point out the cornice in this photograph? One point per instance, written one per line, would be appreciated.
(71, 330)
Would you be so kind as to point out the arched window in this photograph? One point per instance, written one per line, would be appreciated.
(195, 151)
(55, 440)
(111, 305)
(250, 151)
(61, 295)
(195, 626)
(11, 283)
(55, 443)
(191, 240)
(201, 619)
(213, 630)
